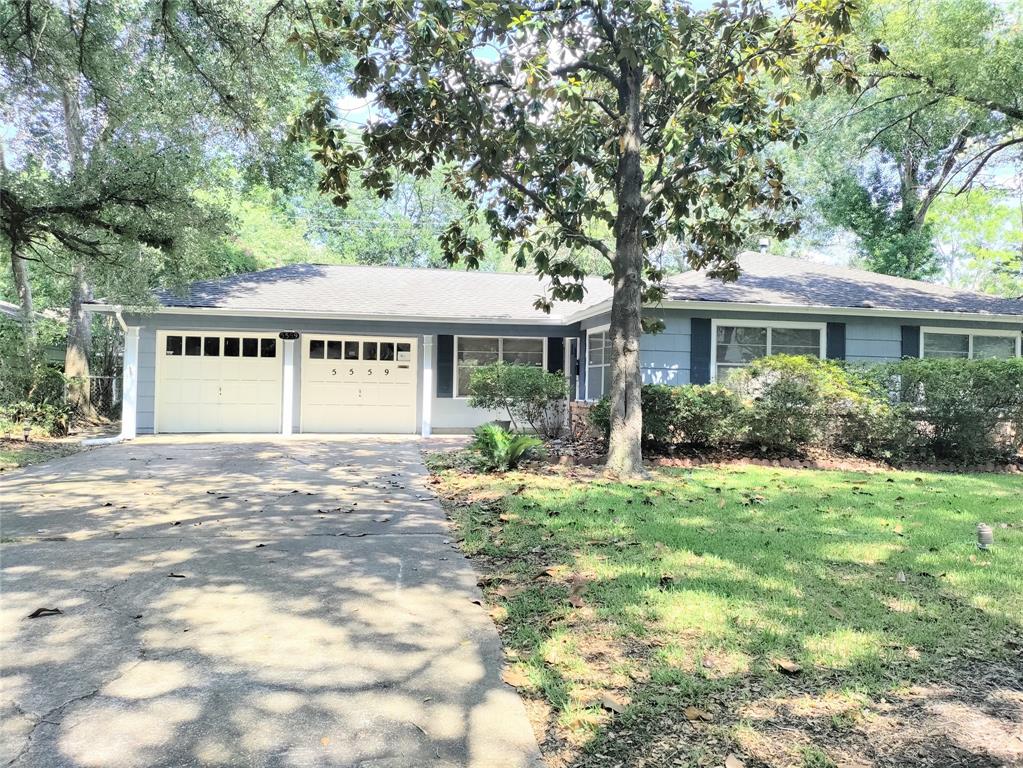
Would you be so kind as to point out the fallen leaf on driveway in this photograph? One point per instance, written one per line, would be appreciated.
(734, 762)
(515, 677)
(176, 575)
(38, 613)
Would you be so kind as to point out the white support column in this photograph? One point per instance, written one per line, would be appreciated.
(129, 393)
(426, 426)
(288, 389)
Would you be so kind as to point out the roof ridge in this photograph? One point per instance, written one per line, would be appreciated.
(883, 276)
(383, 267)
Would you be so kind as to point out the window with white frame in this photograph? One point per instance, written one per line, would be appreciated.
(738, 344)
(966, 344)
(473, 351)
(598, 363)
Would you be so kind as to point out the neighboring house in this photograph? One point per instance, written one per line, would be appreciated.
(11, 313)
(312, 348)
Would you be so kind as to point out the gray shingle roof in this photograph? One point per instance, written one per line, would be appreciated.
(441, 293)
(778, 280)
(383, 291)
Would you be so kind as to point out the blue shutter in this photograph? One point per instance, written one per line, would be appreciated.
(835, 349)
(555, 354)
(699, 360)
(911, 341)
(445, 365)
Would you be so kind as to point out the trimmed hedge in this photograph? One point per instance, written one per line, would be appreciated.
(965, 410)
(955, 410)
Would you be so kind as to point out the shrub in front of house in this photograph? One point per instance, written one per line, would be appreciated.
(690, 416)
(500, 450)
(965, 410)
(45, 419)
(528, 394)
(794, 402)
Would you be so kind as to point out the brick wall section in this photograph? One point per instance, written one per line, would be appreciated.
(579, 420)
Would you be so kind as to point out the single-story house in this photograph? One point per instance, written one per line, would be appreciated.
(315, 349)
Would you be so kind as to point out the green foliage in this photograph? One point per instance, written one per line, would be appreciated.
(940, 112)
(48, 419)
(691, 416)
(709, 416)
(28, 372)
(968, 410)
(122, 114)
(981, 236)
(529, 394)
(891, 241)
(500, 449)
(791, 400)
(559, 125)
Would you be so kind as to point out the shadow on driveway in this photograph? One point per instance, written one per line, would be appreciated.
(245, 602)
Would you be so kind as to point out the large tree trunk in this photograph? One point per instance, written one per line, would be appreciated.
(79, 343)
(19, 271)
(79, 329)
(624, 456)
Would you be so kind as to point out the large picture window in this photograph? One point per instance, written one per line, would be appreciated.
(967, 345)
(738, 344)
(598, 364)
(473, 351)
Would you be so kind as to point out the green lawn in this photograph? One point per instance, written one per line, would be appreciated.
(804, 618)
(17, 453)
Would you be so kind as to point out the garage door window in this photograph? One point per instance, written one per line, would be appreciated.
(211, 346)
(387, 350)
(232, 346)
(351, 350)
(193, 346)
(333, 350)
(369, 350)
(173, 346)
(316, 349)
(473, 351)
(250, 347)
(268, 347)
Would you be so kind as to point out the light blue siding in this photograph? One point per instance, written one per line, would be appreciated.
(664, 357)
(873, 340)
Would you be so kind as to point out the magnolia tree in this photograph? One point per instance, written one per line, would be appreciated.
(609, 127)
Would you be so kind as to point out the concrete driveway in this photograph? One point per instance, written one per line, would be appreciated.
(245, 602)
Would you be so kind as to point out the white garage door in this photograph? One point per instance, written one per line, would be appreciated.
(209, 382)
(358, 384)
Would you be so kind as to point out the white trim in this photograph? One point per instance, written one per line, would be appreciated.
(426, 425)
(129, 387)
(582, 313)
(288, 387)
(290, 314)
(970, 333)
(606, 328)
(800, 309)
(821, 328)
(500, 355)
